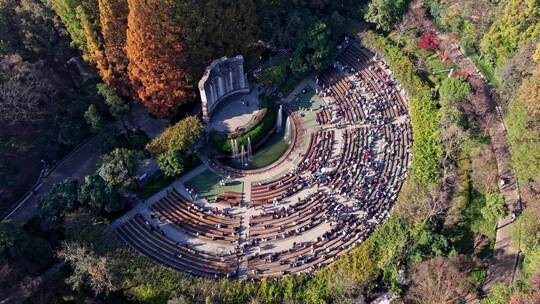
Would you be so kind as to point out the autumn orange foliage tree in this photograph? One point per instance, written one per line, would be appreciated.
(529, 92)
(155, 57)
(113, 18)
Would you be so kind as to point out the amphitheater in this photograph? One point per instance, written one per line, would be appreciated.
(341, 173)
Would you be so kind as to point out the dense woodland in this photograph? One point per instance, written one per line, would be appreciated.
(432, 249)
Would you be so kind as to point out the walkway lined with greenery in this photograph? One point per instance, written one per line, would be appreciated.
(505, 258)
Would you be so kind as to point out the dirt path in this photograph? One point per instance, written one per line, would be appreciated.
(504, 260)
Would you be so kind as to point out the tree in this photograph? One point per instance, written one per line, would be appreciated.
(274, 75)
(113, 17)
(484, 173)
(517, 25)
(81, 19)
(88, 268)
(179, 137)
(385, 13)
(93, 118)
(66, 9)
(89, 20)
(88, 229)
(524, 138)
(171, 163)
(532, 298)
(492, 208)
(156, 57)
(419, 204)
(429, 41)
(61, 198)
(226, 30)
(10, 35)
(439, 280)
(454, 89)
(314, 49)
(118, 107)
(516, 68)
(19, 248)
(499, 294)
(98, 195)
(529, 92)
(526, 232)
(118, 168)
(29, 28)
(24, 91)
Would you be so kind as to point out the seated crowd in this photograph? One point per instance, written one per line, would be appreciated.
(320, 209)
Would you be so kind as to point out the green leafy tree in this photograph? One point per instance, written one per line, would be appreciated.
(524, 141)
(61, 198)
(385, 13)
(454, 89)
(73, 14)
(171, 163)
(489, 208)
(117, 106)
(275, 75)
(517, 25)
(93, 118)
(119, 167)
(526, 232)
(227, 30)
(314, 49)
(430, 244)
(98, 195)
(17, 247)
(179, 137)
(28, 28)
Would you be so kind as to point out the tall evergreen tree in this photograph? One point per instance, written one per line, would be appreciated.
(156, 57)
(113, 17)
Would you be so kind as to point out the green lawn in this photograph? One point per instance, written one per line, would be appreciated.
(154, 186)
(207, 185)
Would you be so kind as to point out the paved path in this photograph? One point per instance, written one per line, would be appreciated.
(505, 258)
(77, 164)
(81, 162)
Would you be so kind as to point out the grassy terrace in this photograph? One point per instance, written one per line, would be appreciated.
(207, 185)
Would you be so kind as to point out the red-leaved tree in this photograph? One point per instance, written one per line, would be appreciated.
(429, 41)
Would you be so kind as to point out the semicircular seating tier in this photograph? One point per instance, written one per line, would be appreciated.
(339, 182)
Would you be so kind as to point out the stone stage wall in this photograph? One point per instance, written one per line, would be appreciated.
(222, 78)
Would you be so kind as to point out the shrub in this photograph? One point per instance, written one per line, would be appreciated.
(499, 294)
(429, 41)
(454, 89)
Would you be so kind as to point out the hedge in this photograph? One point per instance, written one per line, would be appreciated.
(423, 109)
(221, 142)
